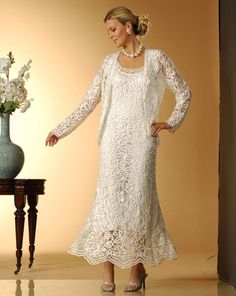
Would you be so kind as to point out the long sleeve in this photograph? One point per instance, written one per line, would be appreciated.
(86, 106)
(181, 90)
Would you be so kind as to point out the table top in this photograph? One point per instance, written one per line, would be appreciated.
(14, 180)
(23, 186)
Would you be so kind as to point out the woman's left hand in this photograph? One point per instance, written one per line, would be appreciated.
(157, 126)
(51, 139)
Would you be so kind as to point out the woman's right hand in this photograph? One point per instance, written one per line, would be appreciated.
(156, 127)
(51, 139)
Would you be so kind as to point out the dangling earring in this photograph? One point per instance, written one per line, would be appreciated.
(129, 31)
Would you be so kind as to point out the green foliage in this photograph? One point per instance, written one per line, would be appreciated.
(8, 107)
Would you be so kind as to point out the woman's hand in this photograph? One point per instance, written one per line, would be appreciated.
(51, 139)
(157, 126)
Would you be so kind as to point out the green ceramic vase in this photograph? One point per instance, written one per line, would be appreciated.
(11, 155)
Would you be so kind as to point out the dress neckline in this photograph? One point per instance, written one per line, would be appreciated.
(131, 70)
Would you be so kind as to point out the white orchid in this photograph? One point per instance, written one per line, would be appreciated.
(5, 65)
(13, 93)
(2, 80)
(25, 105)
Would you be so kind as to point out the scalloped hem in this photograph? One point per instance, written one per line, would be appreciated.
(120, 264)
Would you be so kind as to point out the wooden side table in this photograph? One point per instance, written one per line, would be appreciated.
(24, 189)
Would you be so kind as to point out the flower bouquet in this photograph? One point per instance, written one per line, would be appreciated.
(13, 95)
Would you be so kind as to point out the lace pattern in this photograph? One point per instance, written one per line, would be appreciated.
(125, 225)
(179, 87)
(123, 248)
(86, 106)
(164, 68)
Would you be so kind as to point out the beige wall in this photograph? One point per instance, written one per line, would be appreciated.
(67, 43)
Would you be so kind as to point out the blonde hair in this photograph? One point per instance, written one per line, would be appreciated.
(124, 15)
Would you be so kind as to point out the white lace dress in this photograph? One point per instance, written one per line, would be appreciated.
(125, 225)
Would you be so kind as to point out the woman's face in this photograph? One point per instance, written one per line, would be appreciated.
(117, 31)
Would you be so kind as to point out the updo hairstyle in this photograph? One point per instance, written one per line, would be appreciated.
(124, 15)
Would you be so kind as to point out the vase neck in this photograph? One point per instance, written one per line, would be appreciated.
(5, 127)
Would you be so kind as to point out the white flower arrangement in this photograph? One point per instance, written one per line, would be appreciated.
(13, 94)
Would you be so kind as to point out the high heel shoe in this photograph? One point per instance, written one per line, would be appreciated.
(110, 286)
(131, 286)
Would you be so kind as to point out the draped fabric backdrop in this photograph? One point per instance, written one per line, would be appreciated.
(67, 41)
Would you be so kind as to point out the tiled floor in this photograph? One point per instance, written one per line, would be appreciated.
(62, 274)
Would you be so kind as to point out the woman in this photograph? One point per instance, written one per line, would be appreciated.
(125, 226)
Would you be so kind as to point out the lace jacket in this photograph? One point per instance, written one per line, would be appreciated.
(159, 73)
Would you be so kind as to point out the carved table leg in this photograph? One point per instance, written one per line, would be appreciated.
(32, 220)
(19, 226)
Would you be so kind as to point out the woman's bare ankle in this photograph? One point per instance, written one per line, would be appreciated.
(137, 267)
(108, 271)
(108, 265)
